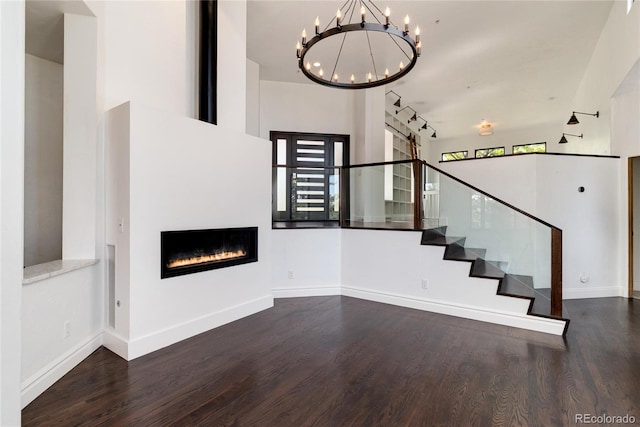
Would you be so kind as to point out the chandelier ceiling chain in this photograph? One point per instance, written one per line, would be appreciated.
(344, 25)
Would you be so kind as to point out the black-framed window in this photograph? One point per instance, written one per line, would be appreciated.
(489, 152)
(306, 175)
(454, 155)
(538, 147)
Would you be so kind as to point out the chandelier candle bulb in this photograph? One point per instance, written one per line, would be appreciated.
(401, 65)
(304, 37)
(369, 77)
(321, 73)
(417, 35)
(298, 47)
(335, 78)
(387, 13)
(308, 66)
(363, 11)
(353, 79)
(406, 24)
(386, 73)
(338, 18)
(317, 25)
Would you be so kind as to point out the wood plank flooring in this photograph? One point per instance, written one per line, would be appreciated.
(339, 361)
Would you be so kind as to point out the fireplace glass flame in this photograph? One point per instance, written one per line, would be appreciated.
(203, 259)
(192, 251)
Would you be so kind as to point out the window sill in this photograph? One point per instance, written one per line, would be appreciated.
(39, 272)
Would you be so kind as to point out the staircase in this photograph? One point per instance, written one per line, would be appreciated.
(510, 285)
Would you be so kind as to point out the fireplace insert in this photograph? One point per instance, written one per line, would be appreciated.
(193, 251)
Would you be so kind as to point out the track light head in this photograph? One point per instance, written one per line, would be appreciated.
(573, 120)
(434, 134)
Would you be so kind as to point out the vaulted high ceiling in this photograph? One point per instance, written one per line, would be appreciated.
(514, 63)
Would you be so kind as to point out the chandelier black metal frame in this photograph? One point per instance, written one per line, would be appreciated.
(368, 8)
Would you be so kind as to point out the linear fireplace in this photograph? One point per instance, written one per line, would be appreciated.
(193, 251)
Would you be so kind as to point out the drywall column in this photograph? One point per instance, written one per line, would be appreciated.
(368, 202)
(11, 204)
(232, 64)
(80, 138)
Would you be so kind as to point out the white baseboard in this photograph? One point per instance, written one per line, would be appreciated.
(600, 292)
(320, 291)
(166, 337)
(116, 343)
(43, 379)
(540, 324)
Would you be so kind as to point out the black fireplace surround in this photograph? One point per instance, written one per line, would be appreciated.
(193, 251)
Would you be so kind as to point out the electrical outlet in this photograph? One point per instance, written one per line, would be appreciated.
(67, 329)
(425, 284)
(290, 275)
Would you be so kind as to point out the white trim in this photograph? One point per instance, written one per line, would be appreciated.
(43, 379)
(600, 292)
(319, 291)
(166, 337)
(116, 343)
(524, 321)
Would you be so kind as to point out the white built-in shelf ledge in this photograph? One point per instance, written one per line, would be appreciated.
(39, 272)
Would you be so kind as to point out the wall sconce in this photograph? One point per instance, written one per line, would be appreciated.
(563, 140)
(573, 120)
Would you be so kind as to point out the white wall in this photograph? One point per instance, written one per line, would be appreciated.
(617, 50)
(80, 120)
(253, 98)
(297, 107)
(232, 64)
(47, 354)
(12, 78)
(306, 262)
(390, 267)
(625, 141)
(199, 176)
(146, 50)
(550, 133)
(43, 161)
(546, 186)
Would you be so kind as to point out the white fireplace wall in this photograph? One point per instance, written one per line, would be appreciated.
(184, 175)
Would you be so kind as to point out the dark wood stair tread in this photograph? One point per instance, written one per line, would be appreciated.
(511, 285)
(457, 252)
(485, 269)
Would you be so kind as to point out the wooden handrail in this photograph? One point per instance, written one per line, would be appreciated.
(556, 272)
(417, 195)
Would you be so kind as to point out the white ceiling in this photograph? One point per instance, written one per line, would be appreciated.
(514, 63)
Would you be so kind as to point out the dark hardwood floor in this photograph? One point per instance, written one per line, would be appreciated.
(338, 361)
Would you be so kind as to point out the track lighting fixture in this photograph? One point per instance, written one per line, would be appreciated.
(563, 140)
(397, 103)
(412, 118)
(573, 120)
